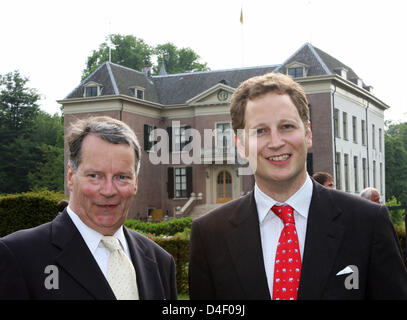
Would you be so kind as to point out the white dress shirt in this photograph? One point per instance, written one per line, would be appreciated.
(271, 225)
(93, 241)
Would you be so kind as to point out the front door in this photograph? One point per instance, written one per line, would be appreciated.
(223, 187)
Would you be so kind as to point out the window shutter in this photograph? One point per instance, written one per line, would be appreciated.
(146, 135)
(169, 131)
(170, 183)
(189, 181)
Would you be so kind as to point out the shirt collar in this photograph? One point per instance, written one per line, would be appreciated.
(92, 237)
(300, 200)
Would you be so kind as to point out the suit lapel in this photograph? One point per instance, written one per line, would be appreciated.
(323, 238)
(76, 259)
(244, 243)
(148, 279)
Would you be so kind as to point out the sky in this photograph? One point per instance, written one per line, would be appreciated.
(49, 41)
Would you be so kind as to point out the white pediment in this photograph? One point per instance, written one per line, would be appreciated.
(219, 94)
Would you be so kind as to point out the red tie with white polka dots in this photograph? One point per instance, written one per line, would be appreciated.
(287, 266)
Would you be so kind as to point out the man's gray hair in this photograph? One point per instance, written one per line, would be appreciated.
(106, 128)
(367, 193)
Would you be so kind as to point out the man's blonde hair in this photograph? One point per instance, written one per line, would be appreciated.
(260, 85)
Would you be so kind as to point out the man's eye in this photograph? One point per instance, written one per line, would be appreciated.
(93, 175)
(287, 126)
(260, 131)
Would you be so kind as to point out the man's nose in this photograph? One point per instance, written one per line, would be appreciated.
(108, 188)
(275, 140)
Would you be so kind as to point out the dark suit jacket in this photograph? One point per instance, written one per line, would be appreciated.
(25, 254)
(226, 259)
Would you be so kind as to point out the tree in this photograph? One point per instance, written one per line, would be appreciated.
(18, 109)
(31, 141)
(396, 162)
(49, 171)
(127, 51)
(134, 53)
(178, 60)
(18, 106)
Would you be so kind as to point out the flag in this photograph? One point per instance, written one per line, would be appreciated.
(241, 15)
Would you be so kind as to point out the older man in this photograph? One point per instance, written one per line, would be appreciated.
(85, 252)
(371, 194)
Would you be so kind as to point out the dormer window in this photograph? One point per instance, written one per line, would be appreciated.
(137, 92)
(92, 89)
(297, 70)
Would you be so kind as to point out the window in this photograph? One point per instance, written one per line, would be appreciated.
(336, 123)
(296, 72)
(374, 174)
(364, 173)
(373, 137)
(223, 137)
(354, 128)
(91, 91)
(180, 138)
(356, 173)
(180, 182)
(363, 127)
(345, 125)
(380, 141)
(338, 170)
(137, 93)
(346, 165)
(381, 178)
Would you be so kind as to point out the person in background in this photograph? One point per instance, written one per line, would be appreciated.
(86, 252)
(61, 205)
(324, 178)
(371, 194)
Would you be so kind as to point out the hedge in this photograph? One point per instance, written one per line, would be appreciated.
(178, 247)
(27, 210)
(168, 228)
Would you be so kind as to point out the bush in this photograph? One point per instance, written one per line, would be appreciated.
(397, 216)
(401, 234)
(178, 247)
(27, 210)
(168, 228)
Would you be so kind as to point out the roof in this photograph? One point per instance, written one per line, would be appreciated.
(176, 89)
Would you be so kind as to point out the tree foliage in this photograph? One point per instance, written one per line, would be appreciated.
(31, 141)
(177, 60)
(396, 161)
(132, 52)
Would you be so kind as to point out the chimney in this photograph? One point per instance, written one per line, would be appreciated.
(147, 69)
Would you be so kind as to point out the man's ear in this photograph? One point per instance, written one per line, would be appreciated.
(135, 186)
(309, 136)
(69, 177)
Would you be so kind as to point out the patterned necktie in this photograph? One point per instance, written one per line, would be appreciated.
(287, 267)
(120, 271)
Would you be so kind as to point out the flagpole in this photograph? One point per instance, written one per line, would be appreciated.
(242, 34)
